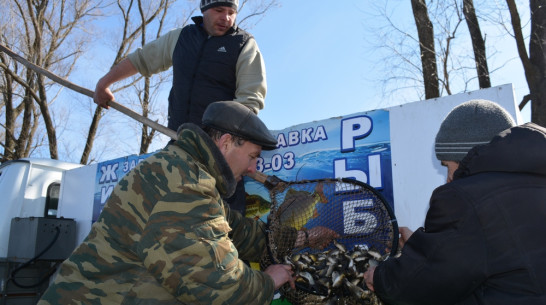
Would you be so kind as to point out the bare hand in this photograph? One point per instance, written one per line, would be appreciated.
(281, 274)
(102, 95)
(368, 277)
(122, 70)
(405, 234)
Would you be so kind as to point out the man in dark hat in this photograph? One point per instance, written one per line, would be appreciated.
(483, 239)
(212, 59)
(165, 235)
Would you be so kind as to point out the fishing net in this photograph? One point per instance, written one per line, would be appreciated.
(365, 223)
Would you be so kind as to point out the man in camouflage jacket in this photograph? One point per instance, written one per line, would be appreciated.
(162, 237)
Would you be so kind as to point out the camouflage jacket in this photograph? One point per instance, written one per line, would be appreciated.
(162, 237)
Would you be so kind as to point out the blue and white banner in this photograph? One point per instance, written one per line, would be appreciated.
(354, 146)
(108, 174)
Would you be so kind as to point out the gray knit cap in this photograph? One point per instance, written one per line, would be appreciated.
(472, 123)
(206, 4)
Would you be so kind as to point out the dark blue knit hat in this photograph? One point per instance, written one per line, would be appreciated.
(472, 123)
(206, 4)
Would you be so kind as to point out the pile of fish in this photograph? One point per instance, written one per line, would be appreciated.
(335, 276)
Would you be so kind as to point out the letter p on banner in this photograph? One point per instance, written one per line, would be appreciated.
(353, 129)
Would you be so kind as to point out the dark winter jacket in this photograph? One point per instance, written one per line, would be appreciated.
(484, 240)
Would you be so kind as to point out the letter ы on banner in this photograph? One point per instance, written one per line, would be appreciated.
(374, 170)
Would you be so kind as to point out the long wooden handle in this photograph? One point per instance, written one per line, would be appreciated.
(268, 181)
(258, 176)
(144, 120)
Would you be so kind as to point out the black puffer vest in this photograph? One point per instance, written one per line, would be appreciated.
(203, 71)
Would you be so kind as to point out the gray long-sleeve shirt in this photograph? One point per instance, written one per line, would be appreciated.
(156, 57)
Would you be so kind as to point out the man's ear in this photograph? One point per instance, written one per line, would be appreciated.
(224, 142)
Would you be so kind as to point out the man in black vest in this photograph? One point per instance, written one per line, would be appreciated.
(212, 59)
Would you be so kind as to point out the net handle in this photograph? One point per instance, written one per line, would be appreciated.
(270, 182)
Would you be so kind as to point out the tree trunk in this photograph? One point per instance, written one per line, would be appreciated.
(38, 18)
(7, 99)
(426, 45)
(37, 29)
(48, 120)
(145, 136)
(537, 57)
(127, 39)
(93, 127)
(535, 64)
(478, 44)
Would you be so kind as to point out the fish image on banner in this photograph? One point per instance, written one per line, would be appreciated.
(300, 206)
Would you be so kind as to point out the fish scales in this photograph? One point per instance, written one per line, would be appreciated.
(299, 206)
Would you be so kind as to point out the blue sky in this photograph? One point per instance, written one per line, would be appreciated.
(319, 64)
(315, 61)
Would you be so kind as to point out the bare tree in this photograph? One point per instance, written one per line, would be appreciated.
(448, 17)
(455, 63)
(47, 33)
(425, 31)
(537, 50)
(252, 11)
(478, 43)
(534, 64)
(51, 34)
(445, 58)
(153, 12)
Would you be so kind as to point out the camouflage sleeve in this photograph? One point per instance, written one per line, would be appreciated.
(185, 245)
(248, 235)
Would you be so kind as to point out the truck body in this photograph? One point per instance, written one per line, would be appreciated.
(29, 197)
(29, 188)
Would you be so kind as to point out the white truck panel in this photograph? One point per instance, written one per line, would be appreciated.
(415, 170)
(23, 189)
(76, 198)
